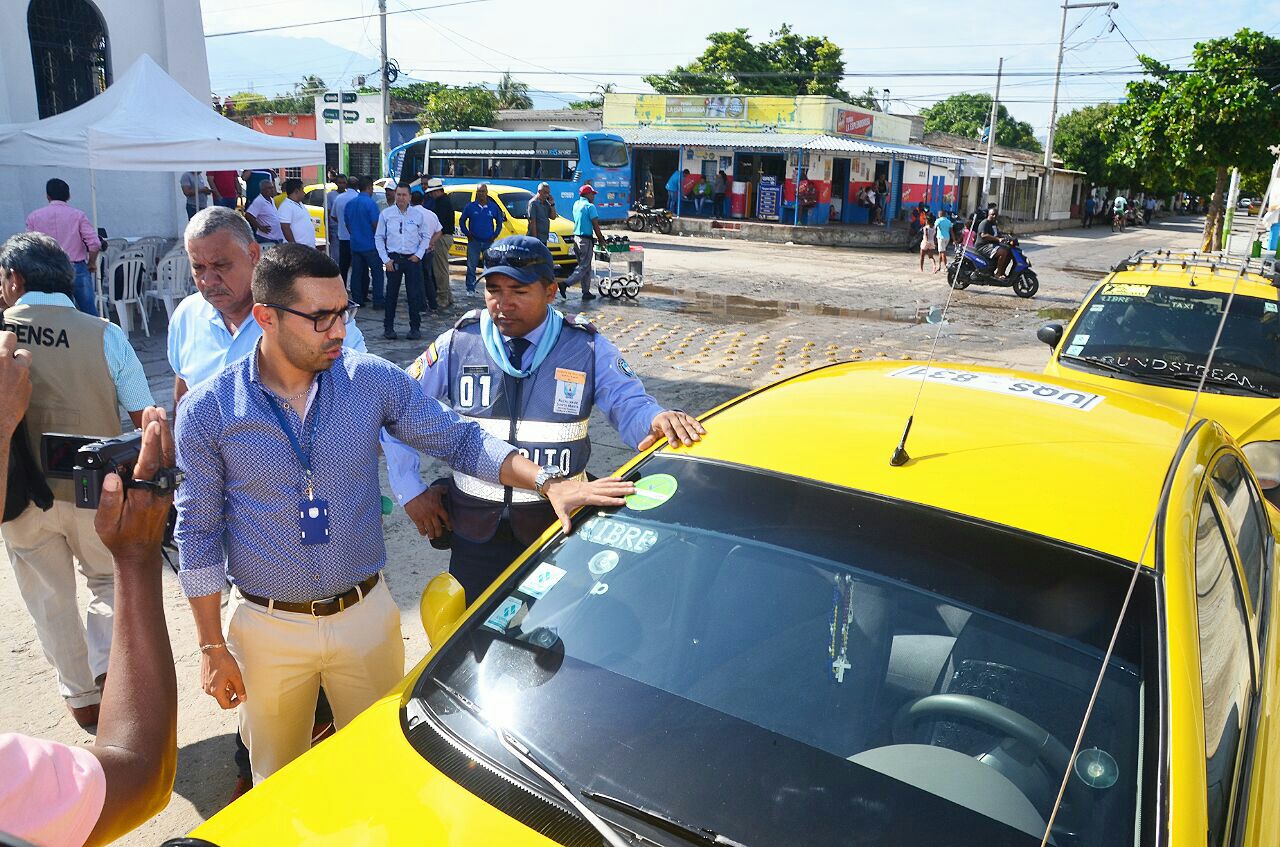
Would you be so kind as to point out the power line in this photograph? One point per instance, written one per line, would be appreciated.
(340, 20)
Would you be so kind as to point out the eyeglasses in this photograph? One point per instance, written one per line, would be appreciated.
(512, 257)
(322, 321)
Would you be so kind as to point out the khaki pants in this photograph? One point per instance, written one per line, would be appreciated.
(358, 654)
(44, 549)
(440, 269)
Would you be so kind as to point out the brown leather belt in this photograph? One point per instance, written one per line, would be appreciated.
(322, 607)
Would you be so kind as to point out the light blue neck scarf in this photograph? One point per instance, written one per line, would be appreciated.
(497, 350)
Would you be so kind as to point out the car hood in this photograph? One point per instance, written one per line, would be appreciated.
(364, 787)
(1246, 418)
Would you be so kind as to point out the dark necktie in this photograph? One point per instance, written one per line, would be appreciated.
(516, 349)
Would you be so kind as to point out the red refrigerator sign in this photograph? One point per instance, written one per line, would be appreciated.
(854, 123)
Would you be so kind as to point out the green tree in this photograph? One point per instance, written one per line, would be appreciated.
(968, 114)
(788, 64)
(1219, 113)
(866, 99)
(1084, 140)
(596, 101)
(414, 92)
(513, 94)
(459, 108)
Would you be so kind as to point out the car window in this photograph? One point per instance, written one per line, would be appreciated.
(792, 625)
(315, 197)
(459, 200)
(607, 153)
(1246, 519)
(516, 203)
(1162, 334)
(1226, 677)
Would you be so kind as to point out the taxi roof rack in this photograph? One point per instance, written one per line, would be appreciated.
(1199, 259)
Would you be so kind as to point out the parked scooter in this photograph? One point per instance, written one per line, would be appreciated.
(973, 268)
(644, 217)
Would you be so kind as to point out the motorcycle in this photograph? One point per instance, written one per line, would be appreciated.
(644, 217)
(971, 267)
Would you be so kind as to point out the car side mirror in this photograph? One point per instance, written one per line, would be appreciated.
(442, 604)
(1050, 334)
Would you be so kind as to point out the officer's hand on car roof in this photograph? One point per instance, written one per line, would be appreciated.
(675, 426)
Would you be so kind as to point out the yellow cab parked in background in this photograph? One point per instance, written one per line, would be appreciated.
(1151, 323)
(515, 202)
(814, 641)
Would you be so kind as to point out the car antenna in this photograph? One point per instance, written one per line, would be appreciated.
(1137, 567)
(900, 456)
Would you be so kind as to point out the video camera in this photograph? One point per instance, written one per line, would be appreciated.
(87, 461)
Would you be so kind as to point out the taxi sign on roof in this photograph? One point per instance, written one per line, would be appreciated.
(1027, 389)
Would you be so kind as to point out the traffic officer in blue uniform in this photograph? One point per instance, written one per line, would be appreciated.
(530, 375)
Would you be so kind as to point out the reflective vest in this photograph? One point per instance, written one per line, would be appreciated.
(544, 416)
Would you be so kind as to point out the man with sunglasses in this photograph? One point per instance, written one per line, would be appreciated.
(281, 498)
(520, 366)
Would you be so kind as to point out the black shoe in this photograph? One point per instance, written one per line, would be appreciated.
(587, 295)
(390, 335)
(414, 335)
(564, 291)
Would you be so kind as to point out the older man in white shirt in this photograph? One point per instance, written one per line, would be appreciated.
(262, 215)
(405, 234)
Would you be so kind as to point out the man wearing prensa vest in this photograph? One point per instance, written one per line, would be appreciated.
(83, 370)
(526, 373)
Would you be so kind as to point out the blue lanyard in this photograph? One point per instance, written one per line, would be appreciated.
(304, 456)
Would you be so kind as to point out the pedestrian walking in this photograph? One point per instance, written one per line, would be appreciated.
(541, 212)
(295, 220)
(405, 233)
(519, 352)
(71, 228)
(339, 223)
(361, 215)
(481, 222)
(226, 188)
(929, 242)
(196, 190)
(79, 384)
(263, 215)
(586, 229)
(437, 201)
(280, 499)
(944, 226)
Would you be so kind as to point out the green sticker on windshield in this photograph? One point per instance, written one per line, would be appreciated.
(652, 492)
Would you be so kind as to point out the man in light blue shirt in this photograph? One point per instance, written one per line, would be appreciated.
(215, 327)
(586, 229)
(566, 368)
(337, 218)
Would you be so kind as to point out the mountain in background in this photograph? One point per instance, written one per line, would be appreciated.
(271, 64)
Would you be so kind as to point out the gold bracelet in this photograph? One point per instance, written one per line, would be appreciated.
(205, 648)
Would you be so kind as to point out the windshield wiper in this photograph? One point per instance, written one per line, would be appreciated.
(665, 822)
(1095, 363)
(1190, 376)
(520, 750)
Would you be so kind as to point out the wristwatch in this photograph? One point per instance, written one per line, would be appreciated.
(545, 474)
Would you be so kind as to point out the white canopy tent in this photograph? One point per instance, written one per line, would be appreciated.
(146, 121)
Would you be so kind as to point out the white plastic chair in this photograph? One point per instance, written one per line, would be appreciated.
(132, 269)
(172, 283)
(112, 249)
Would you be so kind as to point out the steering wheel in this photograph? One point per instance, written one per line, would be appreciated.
(1048, 749)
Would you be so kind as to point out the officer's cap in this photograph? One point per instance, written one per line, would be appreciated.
(521, 257)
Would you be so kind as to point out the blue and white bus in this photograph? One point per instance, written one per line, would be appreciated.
(565, 159)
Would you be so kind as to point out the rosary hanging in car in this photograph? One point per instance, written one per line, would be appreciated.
(842, 595)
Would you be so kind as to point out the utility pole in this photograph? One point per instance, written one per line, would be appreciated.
(991, 134)
(386, 92)
(1044, 199)
(342, 120)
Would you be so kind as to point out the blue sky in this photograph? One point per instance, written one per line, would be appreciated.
(564, 50)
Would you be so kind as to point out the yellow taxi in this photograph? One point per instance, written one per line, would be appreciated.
(1152, 321)
(515, 202)
(826, 640)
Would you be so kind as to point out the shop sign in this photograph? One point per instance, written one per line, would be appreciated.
(854, 123)
(768, 198)
(721, 107)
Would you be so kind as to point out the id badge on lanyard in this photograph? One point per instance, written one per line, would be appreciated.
(313, 513)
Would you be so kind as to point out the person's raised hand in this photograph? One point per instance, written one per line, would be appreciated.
(428, 512)
(676, 427)
(15, 382)
(568, 495)
(131, 522)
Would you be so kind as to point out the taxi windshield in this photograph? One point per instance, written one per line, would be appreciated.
(785, 662)
(1162, 335)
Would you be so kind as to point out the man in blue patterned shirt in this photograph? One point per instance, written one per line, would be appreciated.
(281, 498)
